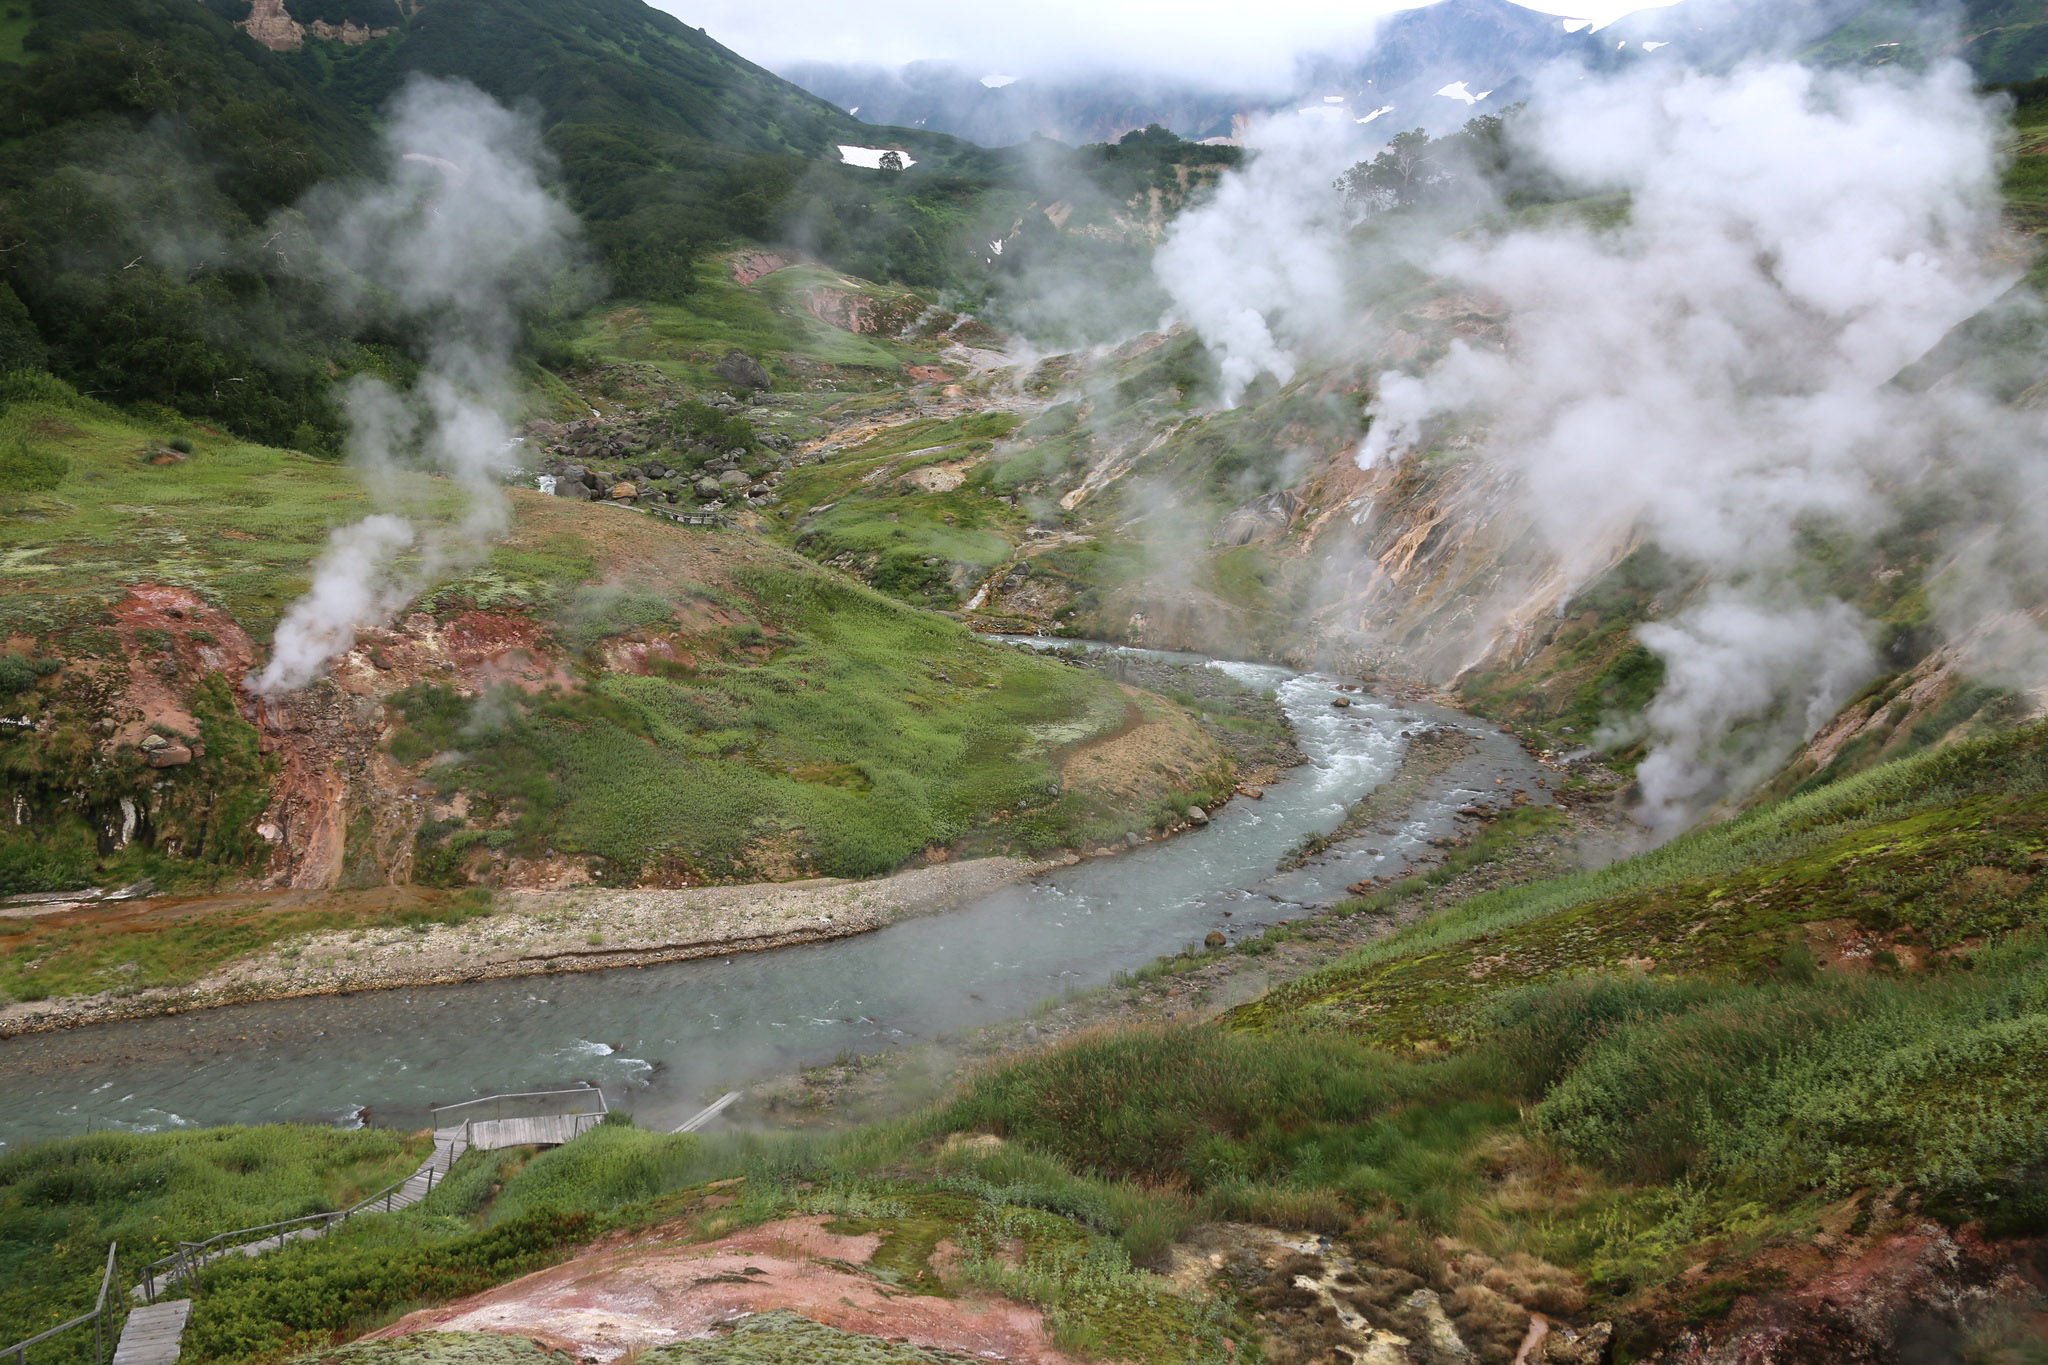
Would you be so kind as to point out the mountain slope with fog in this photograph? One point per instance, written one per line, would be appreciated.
(550, 519)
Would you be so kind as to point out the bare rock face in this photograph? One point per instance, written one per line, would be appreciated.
(1914, 1295)
(1262, 519)
(742, 371)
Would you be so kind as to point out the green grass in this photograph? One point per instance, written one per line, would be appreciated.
(502, 1214)
(1919, 824)
(40, 959)
(62, 1202)
(766, 320)
(852, 733)
(15, 23)
(870, 515)
(238, 523)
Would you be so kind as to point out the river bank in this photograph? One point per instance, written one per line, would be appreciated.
(533, 933)
(1208, 980)
(583, 928)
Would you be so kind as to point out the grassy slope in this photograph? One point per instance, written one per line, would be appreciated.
(1028, 1230)
(685, 340)
(800, 723)
(237, 522)
(60, 1204)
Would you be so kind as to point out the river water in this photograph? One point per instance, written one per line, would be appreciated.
(662, 1040)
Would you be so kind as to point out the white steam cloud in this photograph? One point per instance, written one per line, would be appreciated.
(457, 240)
(1261, 269)
(1709, 373)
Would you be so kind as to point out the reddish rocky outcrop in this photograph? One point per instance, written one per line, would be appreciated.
(1910, 1296)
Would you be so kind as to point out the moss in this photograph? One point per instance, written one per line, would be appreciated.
(440, 1348)
(781, 1337)
(1949, 876)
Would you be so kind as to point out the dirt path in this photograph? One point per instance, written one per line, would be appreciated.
(536, 932)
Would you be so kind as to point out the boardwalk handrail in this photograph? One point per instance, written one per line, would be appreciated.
(97, 1317)
(192, 1257)
(439, 1109)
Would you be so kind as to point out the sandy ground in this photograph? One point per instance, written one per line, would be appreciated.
(535, 932)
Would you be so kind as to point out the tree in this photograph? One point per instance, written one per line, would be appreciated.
(1401, 174)
(891, 161)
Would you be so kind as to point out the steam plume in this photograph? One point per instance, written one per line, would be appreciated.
(1711, 373)
(457, 240)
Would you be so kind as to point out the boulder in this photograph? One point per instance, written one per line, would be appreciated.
(732, 478)
(169, 756)
(742, 371)
(573, 489)
(1340, 701)
(1262, 519)
(1198, 815)
(705, 488)
(1214, 939)
(623, 492)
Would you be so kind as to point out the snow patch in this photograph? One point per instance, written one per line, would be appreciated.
(1457, 90)
(1653, 46)
(1383, 109)
(871, 157)
(996, 82)
(1577, 25)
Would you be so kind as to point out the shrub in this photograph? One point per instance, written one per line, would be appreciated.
(26, 469)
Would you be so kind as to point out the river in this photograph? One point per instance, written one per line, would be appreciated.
(661, 1040)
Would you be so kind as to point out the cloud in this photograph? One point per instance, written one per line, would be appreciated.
(1205, 42)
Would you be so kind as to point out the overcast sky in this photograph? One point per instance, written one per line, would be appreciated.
(1227, 40)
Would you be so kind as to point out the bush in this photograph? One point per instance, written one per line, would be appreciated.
(1160, 1103)
(25, 469)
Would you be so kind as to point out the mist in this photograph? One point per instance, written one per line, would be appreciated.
(1702, 362)
(455, 242)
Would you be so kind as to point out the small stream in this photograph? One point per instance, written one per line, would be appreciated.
(663, 1039)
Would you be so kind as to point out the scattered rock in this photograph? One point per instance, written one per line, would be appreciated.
(742, 371)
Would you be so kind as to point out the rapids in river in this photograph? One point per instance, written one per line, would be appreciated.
(662, 1040)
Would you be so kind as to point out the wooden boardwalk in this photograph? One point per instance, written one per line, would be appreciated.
(548, 1130)
(709, 1112)
(153, 1333)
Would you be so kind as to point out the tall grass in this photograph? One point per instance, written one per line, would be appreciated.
(2009, 762)
(61, 1203)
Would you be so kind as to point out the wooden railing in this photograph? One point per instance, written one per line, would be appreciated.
(18, 1352)
(470, 1111)
(183, 1265)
